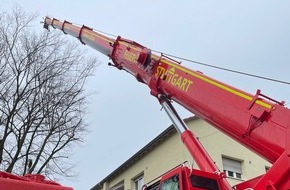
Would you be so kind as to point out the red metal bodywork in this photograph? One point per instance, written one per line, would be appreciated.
(256, 121)
(28, 182)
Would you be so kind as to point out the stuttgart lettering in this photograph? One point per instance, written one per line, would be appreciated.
(174, 79)
(129, 56)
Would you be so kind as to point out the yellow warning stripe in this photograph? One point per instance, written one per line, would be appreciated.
(205, 79)
(94, 34)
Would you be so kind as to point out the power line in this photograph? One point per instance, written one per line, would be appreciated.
(225, 69)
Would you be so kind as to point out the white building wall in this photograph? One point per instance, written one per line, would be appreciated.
(172, 152)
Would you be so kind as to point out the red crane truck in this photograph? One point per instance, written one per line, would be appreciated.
(258, 122)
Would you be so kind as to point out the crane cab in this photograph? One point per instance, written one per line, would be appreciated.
(184, 178)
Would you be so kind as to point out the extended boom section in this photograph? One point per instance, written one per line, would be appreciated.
(260, 123)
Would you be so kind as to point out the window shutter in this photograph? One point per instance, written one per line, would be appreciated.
(232, 165)
(119, 186)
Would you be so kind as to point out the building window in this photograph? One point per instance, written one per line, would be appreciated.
(118, 186)
(232, 168)
(138, 183)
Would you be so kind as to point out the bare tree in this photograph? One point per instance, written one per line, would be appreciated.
(42, 99)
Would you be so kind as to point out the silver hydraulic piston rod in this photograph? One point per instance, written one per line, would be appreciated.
(178, 123)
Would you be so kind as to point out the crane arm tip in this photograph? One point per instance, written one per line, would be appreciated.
(45, 25)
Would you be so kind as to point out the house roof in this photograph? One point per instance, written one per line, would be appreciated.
(155, 142)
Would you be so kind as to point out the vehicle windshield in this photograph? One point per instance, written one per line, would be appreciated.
(171, 183)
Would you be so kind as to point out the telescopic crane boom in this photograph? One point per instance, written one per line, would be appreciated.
(258, 122)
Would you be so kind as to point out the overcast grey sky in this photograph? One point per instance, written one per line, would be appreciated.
(249, 36)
